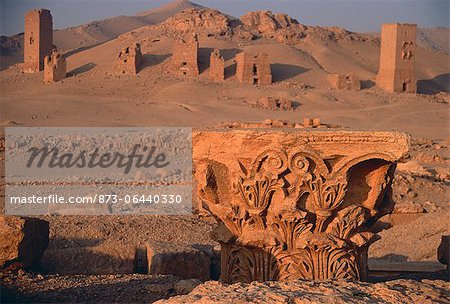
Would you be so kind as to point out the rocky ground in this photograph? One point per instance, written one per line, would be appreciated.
(22, 287)
(302, 292)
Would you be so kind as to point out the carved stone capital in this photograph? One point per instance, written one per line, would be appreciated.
(294, 204)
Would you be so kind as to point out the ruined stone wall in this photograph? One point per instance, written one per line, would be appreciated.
(216, 66)
(397, 58)
(253, 69)
(185, 57)
(130, 60)
(344, 82)
(274, 103)
(54, 67)
(38, 39)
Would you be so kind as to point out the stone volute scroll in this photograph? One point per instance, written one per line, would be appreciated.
(295, 205)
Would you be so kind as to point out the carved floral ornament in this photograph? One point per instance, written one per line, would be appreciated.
(289, 214)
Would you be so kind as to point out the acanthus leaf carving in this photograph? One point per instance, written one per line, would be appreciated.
(308, 231)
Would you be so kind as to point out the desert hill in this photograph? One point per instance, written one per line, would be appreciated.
(279, 26)
(93, 33)
(300, 53)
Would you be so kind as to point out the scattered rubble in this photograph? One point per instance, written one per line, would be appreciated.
(303, 292)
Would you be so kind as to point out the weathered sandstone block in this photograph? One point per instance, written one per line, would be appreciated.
(130, 60)
(22, 240)
(294, 204)
(106, 257)
(186, 262)
(344, 82)
(216, 66)
(274, 103)
(54, 67)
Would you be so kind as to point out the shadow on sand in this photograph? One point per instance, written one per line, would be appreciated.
(433, 86)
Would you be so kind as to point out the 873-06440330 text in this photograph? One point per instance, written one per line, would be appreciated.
(99, 199)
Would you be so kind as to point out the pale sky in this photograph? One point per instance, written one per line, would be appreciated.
(354, 15)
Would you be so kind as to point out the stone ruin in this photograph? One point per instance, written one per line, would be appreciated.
(274, 123)
(397, 58)
(185, 57)
(344, 82)
(293, 204)
(274, 103)
(130, 60)
(217, 66)
(311, 122)
(54, 67)
(253, 69)
(38, 39)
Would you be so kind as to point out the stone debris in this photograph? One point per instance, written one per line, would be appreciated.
(38, 39)
(183, 287)
(397, 58)
(408, 207)
(267, 123)
(179, 260)
(412, 241)
(274, 103)
(344, 82)
(306, 292)
(217, 66)
(54, 67)
(253, 69)
(311, 122)
(130, 60)
(22, 240)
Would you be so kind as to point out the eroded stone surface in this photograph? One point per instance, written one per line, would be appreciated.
(130, 60)
(302, 292)
(274, 103)
(344, 82)
(38, 40)
(217, 66)
(54, 67)
(22, 240)
(185, 56)
(183, 261)
(294, 204)
(253, 69)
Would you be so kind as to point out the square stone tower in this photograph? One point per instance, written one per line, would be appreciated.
(397, 58)
(253, 69)
(38, 39)
(185, 57)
